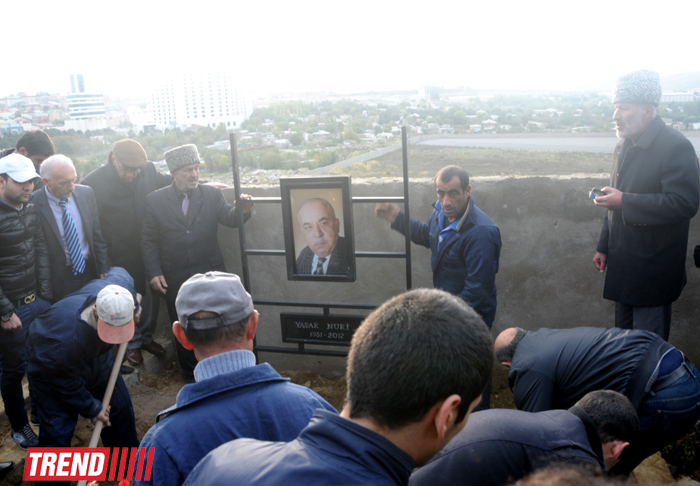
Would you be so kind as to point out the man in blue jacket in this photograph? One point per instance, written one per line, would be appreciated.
(70, 361)
(416, 369)
(464, 242)
(232, 396)
(500, 446)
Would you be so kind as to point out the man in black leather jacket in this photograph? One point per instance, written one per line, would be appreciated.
(25, 285)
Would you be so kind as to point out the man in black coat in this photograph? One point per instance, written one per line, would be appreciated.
(553, 368)
(121, 187)
(498, 446)
(654, 191)
(59, 200)
(179, 234)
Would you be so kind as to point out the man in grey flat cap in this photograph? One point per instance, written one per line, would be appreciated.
(179, 232)
(232, 397)
(653, 193)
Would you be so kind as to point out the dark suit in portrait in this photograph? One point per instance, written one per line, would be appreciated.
(97, 261)
(339, 263)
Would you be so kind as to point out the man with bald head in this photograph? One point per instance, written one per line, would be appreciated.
(552, 368)
(69, 219)
(326, 253)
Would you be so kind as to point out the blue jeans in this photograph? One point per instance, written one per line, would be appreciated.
(13, 362)
(665, 416)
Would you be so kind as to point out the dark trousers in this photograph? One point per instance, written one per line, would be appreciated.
(144, 329)
(58, 421)
(485, 402)
(185, 357)
(70, 283)
(13, 362)
(656, 318)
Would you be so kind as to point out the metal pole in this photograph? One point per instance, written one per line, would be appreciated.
(406, 210)
(241, 226)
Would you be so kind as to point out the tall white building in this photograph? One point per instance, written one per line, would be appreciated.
(86, 110)
(205, 99)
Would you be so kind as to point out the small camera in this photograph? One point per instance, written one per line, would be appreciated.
(596, 192)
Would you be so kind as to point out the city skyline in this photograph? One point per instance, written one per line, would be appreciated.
(278, 47)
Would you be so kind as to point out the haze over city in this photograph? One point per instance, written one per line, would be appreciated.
(345, 47)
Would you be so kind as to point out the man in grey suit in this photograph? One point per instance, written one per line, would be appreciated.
(69, 219)
(326, 253)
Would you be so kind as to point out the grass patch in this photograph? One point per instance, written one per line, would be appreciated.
(425, 161)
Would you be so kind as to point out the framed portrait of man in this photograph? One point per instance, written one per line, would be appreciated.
(318, 231)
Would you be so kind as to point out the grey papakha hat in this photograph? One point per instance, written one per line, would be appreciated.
(218, 292)
(182, 156)
(641, 87)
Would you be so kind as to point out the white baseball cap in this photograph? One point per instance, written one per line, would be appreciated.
(18, 167)
(115, 315)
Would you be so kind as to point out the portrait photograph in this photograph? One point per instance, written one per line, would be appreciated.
(318, 234)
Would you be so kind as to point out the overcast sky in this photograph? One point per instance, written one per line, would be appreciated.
(344, 46)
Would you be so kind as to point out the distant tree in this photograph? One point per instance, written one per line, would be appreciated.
(349, 134)
(296, 139)
(217, 161)
(221, 133)
(271, 159)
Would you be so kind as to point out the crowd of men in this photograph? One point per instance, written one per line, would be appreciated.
(74, 257)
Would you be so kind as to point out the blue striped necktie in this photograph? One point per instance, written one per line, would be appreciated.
(72, 241)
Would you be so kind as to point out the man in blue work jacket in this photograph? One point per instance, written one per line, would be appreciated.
(70, 361)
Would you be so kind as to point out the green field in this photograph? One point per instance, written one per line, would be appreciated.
(425, 161)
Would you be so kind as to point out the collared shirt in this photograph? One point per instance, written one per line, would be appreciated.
(181, 194)
(223, 363)
(77, 221)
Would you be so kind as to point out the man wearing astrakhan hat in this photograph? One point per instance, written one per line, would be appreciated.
(121, 187)
(70, 361)
(179, 233)
(653, 193)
